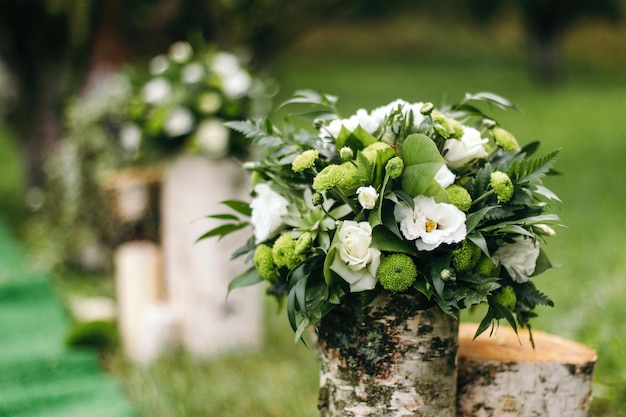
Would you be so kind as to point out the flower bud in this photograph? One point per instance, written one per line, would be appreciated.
(346, 153)
(317, 199)
(318, 124)
(505, 139)
(427, 109)
(394, 167)
(489, 124)
(502, 185)
(367, 197)
(544, 229)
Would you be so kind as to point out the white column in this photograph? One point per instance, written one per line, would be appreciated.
(138, 289)
(197, 274)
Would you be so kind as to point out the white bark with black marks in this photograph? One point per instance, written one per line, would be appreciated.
(389, 359)
(503, 376)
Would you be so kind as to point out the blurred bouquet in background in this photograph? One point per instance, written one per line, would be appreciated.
(183, 101)
(442, 203)
(135, 121)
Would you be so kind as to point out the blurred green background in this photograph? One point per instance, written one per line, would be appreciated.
(562, 63)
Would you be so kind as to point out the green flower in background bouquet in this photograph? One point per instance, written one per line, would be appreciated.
(405, 198)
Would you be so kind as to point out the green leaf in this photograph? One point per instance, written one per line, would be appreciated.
(385, 240)
(422, 162)
(439, 265)
(224, 217)
(248, 278)
(478, 239)
(223, 230)
(239, 206)
(531, 170)
(311, 97)
(357, 139)
(542, 264)
(472, 220)
(485, 323)
(503, 312)
(490, 98)
(328, 274)
(541, 190)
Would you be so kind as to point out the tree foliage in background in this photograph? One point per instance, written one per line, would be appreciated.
(545, 22)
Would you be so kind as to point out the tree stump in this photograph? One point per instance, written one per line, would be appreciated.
(503, 375)
(389, 359)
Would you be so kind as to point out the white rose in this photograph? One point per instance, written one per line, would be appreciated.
(458, 152)
(156, 90)
(444, 177)
(178, 122)
(367, 197)
(356, 262)
(430, 224)
(518, 258)
(268, 209)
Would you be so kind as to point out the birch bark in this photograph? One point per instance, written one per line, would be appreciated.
(390, 359)
(504, 376)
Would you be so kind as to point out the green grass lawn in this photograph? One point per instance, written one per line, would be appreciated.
(584, 115)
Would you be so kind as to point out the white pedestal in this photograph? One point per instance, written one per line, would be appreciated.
(139, 288)
(197, 274)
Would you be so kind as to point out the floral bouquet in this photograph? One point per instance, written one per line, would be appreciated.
(183, 102)
(406, 198)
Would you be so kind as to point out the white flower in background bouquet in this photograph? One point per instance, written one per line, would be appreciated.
(181, 101)
(439, 202)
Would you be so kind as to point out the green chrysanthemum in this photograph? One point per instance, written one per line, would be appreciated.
(328, 178)
(507, 298)
(466, 257)
(460, 197)
(305, 160)
(485, 266)
(502, 185)
(394, 167)
(397, 272)
(350, 181)
(284, 252)
(505, 139)
(264, 263)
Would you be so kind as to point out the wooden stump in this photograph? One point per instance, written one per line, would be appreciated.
(503, 376)
(390, 359)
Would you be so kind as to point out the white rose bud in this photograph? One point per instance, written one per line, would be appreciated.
(367, 197)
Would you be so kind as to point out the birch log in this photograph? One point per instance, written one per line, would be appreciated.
(503, 376)
(390, 359)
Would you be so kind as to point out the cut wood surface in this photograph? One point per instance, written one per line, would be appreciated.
(502, 375)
